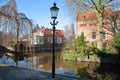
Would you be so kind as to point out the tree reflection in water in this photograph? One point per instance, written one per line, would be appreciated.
(97, 71)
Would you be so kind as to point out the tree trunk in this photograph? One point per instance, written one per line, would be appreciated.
(17, 42)
(100, 30)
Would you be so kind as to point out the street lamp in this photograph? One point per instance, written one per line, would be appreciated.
(54, 11)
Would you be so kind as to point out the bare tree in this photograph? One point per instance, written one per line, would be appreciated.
(99, 7)
(114, 23)
(66, 31)
(69, 33)
(14, 22)
(72, 32)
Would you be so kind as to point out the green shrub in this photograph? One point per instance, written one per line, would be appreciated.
(80, 41)
(68, 55)
(116, 41)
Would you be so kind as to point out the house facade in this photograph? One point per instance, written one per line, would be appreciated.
(87, 24)
(43, 37)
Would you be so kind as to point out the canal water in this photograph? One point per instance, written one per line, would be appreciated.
(42, 62)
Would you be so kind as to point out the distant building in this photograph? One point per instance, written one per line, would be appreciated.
(36, 28)
(43, 37)
(87, 24)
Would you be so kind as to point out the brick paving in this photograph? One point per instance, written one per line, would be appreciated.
(17, 73)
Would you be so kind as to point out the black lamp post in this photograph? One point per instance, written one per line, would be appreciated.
(54, 11)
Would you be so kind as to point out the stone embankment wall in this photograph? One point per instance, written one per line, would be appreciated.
(98, 59)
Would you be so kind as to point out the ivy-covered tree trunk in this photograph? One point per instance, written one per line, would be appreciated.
(116, 43)
(100, 30)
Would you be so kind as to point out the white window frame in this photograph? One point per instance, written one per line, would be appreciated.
(59, 40)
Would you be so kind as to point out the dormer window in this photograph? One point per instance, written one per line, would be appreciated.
(93, 24)
(82, 23)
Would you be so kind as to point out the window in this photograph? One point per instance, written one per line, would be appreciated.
(59, 40)
(82, 24)
(93, 24)
(93, 35)
(118, 24)
(39, 39)
(104, 35)
(82, 33)
(50, 40)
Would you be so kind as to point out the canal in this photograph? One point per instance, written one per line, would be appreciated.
(42, 62)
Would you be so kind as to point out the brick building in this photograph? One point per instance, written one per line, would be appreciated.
(87, 24)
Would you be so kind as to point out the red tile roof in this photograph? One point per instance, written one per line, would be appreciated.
(49, 31)
(91, 15)
(60, 32)
(38, 31)
(86, 15)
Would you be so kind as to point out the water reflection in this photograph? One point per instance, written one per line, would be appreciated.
(42, 62)
(7, 60)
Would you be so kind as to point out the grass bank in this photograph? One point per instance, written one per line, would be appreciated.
(94, 57)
